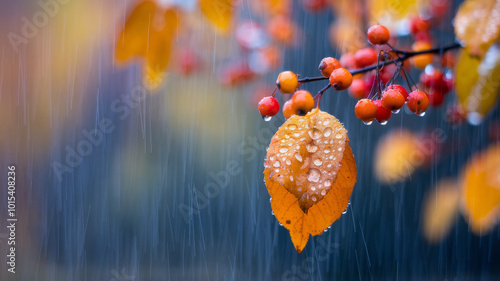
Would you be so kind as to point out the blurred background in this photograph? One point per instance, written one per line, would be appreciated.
(132, 169)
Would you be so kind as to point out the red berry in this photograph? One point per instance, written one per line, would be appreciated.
(365, 110)
(417, 102)
(314, 5)
(435, 97)
(400, 89)
(424, 36)
(383, 114)
(357, 90)
(455, 115)
(347, 61)
(268, 106)
(287, 82)
(302, 102)
(392, 99)
(340, 79)
(417, 24)
(378, 34)
(434, 80)
(365, 57)
(328, 65)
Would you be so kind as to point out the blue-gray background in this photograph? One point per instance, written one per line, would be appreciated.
(118, 215)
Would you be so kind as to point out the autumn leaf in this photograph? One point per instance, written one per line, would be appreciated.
(396, 157)
(481, 190)
(478, 81)
(440, 209)
(134, 36)
(477, 24)
(148, 33)
(310, 173)
(219, 12)
(390, 12)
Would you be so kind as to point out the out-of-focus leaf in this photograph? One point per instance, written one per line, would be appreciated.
(148, 32)
(478, 82)
(396, 157)
(347, 35)
(440, 209)
(481, 190)
(477, 24)
(133, 39)
(159, 48)
(219, 12)
(310, 172)
(388, 12)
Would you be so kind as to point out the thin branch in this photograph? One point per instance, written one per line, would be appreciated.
(404, 56)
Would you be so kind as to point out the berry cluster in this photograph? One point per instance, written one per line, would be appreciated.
(377, 93)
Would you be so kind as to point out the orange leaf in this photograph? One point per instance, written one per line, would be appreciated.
(396, 157)
(481, 190)
(310, 172)
(219, 12)
(148, 32)
(477, 24)
(134, 36)
(158, 52)
(440, 209)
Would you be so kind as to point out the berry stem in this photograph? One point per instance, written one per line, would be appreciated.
(404, 56)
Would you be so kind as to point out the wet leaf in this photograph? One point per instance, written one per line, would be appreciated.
(440, 210)
(219, 12)
(477, 24)
(481, 190)
(478, 82)
(310, 172)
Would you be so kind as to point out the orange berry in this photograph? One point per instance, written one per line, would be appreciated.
(340, 79)
(417, 102)
(421, 61)
(357, 89)
(281, 29)
(400, 89)
(365, 110)
(287, 82)
(327, 65)
(392, 99)
(302, 102)
(288, 110)
(378, 34)
(365, 57)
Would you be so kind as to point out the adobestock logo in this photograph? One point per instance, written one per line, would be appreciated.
(30, 27)
(122, 108)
